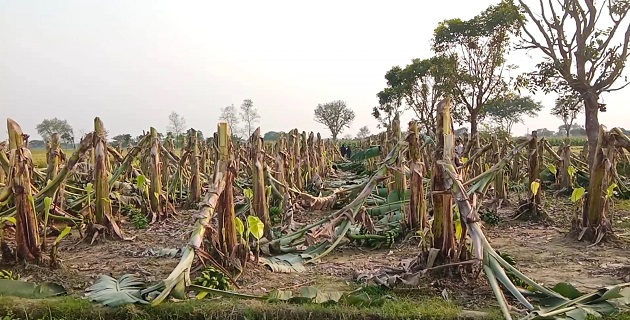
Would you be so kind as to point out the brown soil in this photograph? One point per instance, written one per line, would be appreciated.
(543, 252)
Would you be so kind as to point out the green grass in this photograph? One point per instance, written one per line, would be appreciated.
(67, 308)
(39, 158)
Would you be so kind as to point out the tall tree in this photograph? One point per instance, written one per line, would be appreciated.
(176, 123)
(510, 109)
(581, 52)
(49, 126)
(544, 132)
(249, 115)
(389, 106)
(229, 115)
(479, 45)
(422, 84)
(122, 139)
(567, 108)
(364, 132)
(335, 115)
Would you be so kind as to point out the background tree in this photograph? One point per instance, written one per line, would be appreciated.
(461, 131)
(575, 130)
(123, 139)
(544, 132)
(229, 115)
(249, 115)
(49, 126)
(422, 84)
(364, 132)
(272, 136)
(177, 125)
(510, 109)
(579, 51)
(389, 105)
(567, 108)
(335, 115)
(479, 46)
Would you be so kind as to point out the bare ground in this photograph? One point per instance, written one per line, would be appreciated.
(542, 251)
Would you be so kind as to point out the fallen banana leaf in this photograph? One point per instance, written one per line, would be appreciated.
(290, 262)
(30, 290)
(356, 298)
(116, 292)
(604, 302)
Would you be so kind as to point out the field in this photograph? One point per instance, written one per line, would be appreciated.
(160, 224)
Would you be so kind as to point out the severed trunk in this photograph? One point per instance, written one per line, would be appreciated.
(26, 226)
(443, 227)
(103, 207)
(416, 218)
(155, 185)
(595, 224)
(225, 209)
(55, 157)
(259, 203)
(194, 186)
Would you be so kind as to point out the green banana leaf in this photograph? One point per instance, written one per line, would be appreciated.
(116, 292)
(30, 290)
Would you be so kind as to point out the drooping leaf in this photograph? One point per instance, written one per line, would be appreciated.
(552, 168)
(255, 227)
(611, 190)
(610, 293)
(47, 204)
(535, 186)
(567, 290)
(240, 228)
(140, 182)
(577, 194)
(571, 171)
(8, 219)
(64, 233)
(116, 292)
(248, 193)
(30, 290)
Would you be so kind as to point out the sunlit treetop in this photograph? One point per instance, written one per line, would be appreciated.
(503, 18)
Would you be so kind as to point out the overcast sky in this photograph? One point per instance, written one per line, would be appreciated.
(133, 62)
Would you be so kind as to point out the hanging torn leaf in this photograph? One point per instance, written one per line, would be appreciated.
(577, 194)
(535, 186)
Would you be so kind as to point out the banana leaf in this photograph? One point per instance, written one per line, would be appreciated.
(116, 292)
(30, 290)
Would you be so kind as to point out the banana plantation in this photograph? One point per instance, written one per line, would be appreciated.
(517, 226)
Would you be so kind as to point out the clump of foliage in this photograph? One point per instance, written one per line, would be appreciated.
(275, 213)
(490, 218)
(139, 219)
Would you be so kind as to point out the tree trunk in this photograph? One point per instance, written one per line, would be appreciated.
(473, 123)
(591, 110)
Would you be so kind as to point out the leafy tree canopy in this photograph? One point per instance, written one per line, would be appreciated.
(510, 109)
(49, 126)
(335, 115)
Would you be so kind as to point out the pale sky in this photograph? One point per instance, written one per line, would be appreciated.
(133, 62)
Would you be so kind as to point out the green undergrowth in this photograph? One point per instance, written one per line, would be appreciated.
(73, 308)
(66, 308)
